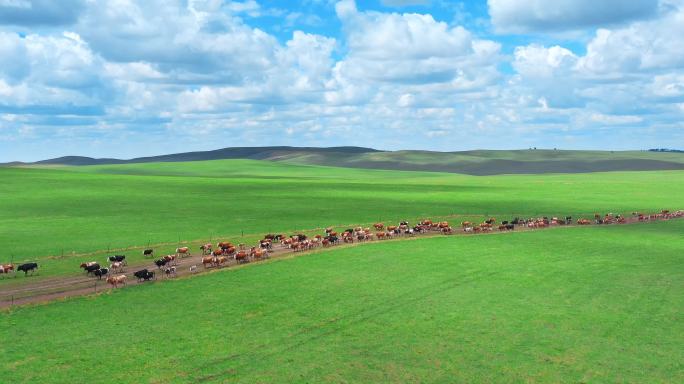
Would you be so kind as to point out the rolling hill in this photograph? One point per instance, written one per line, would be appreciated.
(477, 162)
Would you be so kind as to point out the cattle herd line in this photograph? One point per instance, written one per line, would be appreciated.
(223, 252)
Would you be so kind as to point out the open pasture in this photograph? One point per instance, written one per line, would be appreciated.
(52, 215)
(581, 304)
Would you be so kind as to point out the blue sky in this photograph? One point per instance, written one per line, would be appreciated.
(125, 78)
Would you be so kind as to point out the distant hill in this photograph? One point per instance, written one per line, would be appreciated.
(477, 162)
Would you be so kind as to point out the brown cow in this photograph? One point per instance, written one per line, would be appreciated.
(221, 260)
(379, 226)
(116, 280)
(170, 259)
(206, 249)
(185, 251)
(257, 253)
(6, 268)
(583, 222)
(241, 257)
(209, 260)
(224, 244)
(380, 235)
(217, 252)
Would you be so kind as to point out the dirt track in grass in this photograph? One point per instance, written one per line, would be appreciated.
(60, 287)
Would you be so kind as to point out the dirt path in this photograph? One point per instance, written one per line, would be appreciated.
(60, 287)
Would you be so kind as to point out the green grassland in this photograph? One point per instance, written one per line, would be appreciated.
(592, 304)
(50, 212)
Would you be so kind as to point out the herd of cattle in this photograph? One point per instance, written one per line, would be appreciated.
(224, 252)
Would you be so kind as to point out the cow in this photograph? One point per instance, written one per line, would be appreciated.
(92, 268)
(6, 268)
(117, 266)
(209, 260)
(148, 252)
(171, 259)
(88, 264)
(217, 252)
(583, 222)
(193, 269)
(206, 249)
(144, 275)
(446, 230)
(170, 272)
(184, 251)
(268, 245)
(219, 261)
(241, 257)
(379, 226)
(101, 272)
(160, 263)
(28, 267)
(116, 280)
(117, 258)
(257, 253)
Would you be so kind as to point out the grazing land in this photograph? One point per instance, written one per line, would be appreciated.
(580, 304)
(55, 215)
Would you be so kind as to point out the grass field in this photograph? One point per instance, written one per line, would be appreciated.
(52, 212)
(597, 304)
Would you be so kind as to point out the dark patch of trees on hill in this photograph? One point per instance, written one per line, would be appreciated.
(665, 150)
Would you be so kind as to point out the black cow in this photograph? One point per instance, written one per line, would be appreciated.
(148, 252)
(160, 263)
(509, 226)
(28, 267)
(91, 268)
(101, 272)
(118, 258)
(144, 274)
